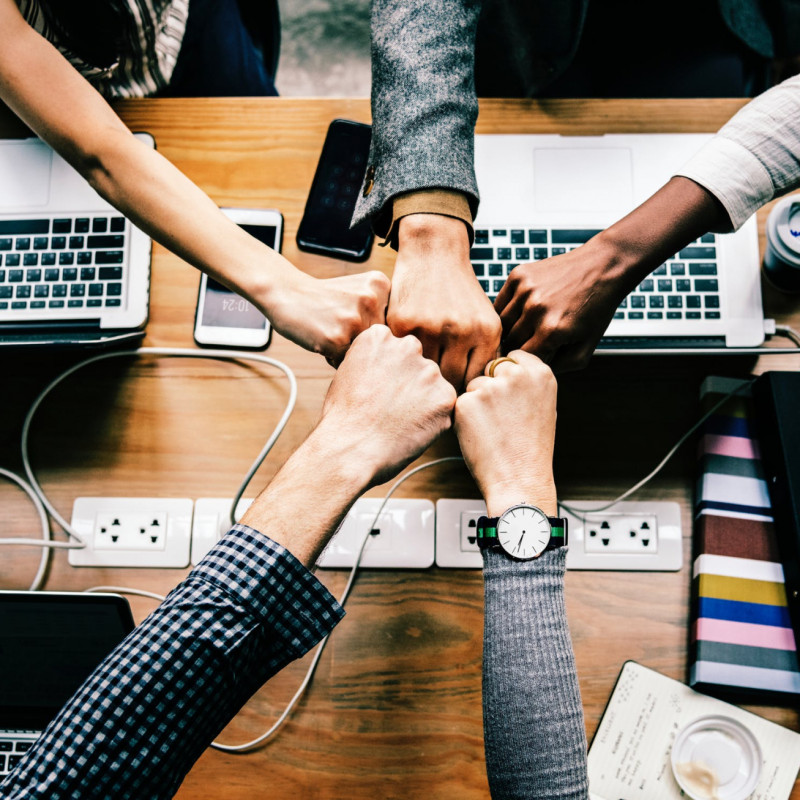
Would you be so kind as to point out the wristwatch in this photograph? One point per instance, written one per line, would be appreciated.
(522, 531)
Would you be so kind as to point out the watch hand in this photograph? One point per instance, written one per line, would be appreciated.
(520, 540)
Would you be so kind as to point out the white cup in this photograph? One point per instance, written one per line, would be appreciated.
(782, 257)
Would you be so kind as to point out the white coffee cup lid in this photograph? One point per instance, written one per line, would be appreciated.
(783, 226)
(716, 758)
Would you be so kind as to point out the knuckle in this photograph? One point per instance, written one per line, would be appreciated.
(383, 282)
(530, 305)
(451, 329)
(401, 326)
(412, 344)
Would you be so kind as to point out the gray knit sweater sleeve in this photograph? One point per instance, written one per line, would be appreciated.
(423, 100)
(532, 714)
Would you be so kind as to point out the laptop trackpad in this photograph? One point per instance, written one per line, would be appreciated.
(583, 179)
(24, 174)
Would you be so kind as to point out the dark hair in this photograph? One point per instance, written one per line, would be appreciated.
(92, 29)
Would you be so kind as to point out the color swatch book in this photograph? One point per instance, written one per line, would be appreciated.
(742, 641)
(637, 750)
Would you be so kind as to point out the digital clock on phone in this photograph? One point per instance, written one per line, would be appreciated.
(224, 318)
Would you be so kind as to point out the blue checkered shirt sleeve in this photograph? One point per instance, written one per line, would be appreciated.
(146, 714)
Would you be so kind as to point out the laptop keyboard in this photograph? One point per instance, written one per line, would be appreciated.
(12, 749)
(684, 287)
(66, 263)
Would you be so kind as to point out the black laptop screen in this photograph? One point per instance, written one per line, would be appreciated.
(49, 644)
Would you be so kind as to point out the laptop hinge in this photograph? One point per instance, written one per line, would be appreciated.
(51, 326)
(662, 342)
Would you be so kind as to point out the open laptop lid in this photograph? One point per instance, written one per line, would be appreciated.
(589, 182)
(54, 213)
(50, 642)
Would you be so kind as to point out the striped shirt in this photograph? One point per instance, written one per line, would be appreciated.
(755, 156)
(153, 33)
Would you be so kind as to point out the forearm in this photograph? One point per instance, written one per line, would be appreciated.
(633, 247)
(57, 103)
(171, 209)
(312, 492)
(533, 718)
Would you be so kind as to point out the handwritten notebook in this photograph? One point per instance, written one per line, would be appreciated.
(630, 754)
(742, 642)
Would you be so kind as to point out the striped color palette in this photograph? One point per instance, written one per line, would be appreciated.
(742, 639)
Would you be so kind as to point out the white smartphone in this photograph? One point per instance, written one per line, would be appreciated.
(224, 318)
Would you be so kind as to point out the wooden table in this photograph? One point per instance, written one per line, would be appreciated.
(394, 710)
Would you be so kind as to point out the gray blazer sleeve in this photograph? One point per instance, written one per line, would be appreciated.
(423, 101)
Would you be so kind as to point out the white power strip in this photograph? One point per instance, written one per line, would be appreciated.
(402, 537)
(628, 536)
(405, 539)
(161, 532)
(456, 544)
(212, 520)
(132, 531)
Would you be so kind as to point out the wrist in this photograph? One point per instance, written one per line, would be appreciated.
(429, 234)
(348, 460)
(675, 215)
(275, 282)
(541, 494)
(621, 262)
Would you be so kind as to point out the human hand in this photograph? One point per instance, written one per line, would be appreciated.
(560, 307)
(506, 428)
(436, 297)
(386, 403)
(326, 315)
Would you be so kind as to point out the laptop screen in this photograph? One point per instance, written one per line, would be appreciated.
(50, 642)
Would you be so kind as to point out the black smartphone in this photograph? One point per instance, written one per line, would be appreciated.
(325, 226)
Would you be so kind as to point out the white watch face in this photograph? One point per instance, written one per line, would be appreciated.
(523, 532)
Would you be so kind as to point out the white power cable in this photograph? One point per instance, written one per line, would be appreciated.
(674, 449)
(789, 333)
(35, 491)
(125, 590)
(248, 746)
(46, 542)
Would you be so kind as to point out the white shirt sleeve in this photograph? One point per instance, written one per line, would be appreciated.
(754, 157)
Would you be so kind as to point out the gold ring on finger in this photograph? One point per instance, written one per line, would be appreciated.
(493, 364)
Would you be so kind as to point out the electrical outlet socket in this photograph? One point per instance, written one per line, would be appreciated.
(456, 539)
(405, 539)
(620, 533)
(212, 521)
(627, 536)
(132, 531)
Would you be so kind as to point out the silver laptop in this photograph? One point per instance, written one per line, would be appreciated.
(73, 270)
(50, 642)
(544, 194)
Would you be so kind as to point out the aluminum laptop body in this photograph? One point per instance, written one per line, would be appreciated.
(537, 186)
(73, 270)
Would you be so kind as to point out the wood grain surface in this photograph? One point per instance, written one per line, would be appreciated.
(394, 710)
